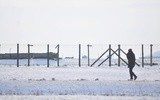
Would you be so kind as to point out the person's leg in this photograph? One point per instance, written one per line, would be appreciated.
(135, 77)
(131, 73)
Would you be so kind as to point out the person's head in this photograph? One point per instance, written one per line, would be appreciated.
(129, 50)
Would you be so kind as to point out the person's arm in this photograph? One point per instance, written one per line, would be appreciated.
(127, 56)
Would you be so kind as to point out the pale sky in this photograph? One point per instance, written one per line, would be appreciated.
(80, 21)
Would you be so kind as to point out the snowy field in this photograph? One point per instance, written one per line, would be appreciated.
(78, 83)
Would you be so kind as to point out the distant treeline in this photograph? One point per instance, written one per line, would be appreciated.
(30, 55)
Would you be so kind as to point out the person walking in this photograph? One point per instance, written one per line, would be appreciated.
(131, 64)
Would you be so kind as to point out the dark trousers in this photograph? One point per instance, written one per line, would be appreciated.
(131, 73)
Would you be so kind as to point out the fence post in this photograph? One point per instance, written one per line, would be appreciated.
(79, 55)
(110, 55)
(88, 55)
(17, 55)
(0, 48)
(29, 54)
(47, 55)
(151, 55)
(142, 55)
(57, 54)
(119, 53)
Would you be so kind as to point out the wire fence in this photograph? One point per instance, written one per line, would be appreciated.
(77, 55)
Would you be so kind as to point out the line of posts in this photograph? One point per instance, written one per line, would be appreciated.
(29, 55)
(88, 49)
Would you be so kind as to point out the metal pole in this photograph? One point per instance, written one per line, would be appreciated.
(17, 55)
(142, 55)
(109, 55)
(79, 55)
(151, 55)
(48, 55)
(119, 53)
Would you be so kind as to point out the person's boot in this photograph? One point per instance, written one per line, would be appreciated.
(135, 77)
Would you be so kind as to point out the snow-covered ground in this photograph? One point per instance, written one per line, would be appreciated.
(61, 83)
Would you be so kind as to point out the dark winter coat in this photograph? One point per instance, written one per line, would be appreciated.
(131, 59)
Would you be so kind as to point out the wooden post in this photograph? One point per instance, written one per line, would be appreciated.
(0, 48)
(79, 55)
(109, 55)
(57, 54)
(119, 49)
(17, 55)
(142, 55)
(29, 56)
(48, 55)
(88, 54)
(151, 55)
